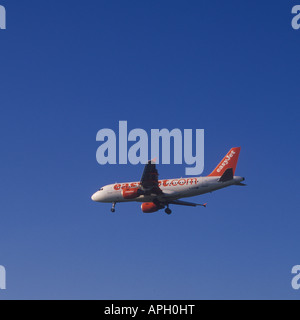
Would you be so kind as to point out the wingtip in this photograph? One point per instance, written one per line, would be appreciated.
(153, 160)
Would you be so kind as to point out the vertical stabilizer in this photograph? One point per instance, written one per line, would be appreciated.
(228, 162)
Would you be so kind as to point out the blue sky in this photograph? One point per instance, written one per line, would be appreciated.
(69, 69)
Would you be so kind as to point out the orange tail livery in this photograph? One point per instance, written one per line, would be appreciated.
(228, 162)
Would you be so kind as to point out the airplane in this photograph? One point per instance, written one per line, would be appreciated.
(157, 194)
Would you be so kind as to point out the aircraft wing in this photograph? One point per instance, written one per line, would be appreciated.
(149, 180)
(185, 203)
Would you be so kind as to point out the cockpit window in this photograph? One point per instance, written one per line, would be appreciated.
(101, 189)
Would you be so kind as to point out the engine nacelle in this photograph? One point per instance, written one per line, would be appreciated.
(130, 193)
(149, 207)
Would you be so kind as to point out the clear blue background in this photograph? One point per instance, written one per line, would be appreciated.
(71, 68)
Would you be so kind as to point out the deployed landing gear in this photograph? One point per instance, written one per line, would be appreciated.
(113, 207)
(168, 210)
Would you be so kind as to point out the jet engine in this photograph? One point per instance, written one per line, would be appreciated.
(149, 207)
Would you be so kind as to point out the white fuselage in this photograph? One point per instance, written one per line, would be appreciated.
(172, 189)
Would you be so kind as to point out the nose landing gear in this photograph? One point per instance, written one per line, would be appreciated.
(113, 207)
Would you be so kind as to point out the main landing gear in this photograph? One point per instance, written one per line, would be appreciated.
(113, 207)
(168, 210)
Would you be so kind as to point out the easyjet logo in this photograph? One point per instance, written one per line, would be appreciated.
(226, 161)
(161, 183)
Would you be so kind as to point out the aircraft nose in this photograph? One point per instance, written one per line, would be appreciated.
(95, 197)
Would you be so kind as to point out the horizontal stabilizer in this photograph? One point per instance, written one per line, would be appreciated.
(227, 175)
(185, 203)
(241, 184)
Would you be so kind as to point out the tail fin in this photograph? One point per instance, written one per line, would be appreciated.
(229, 161)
